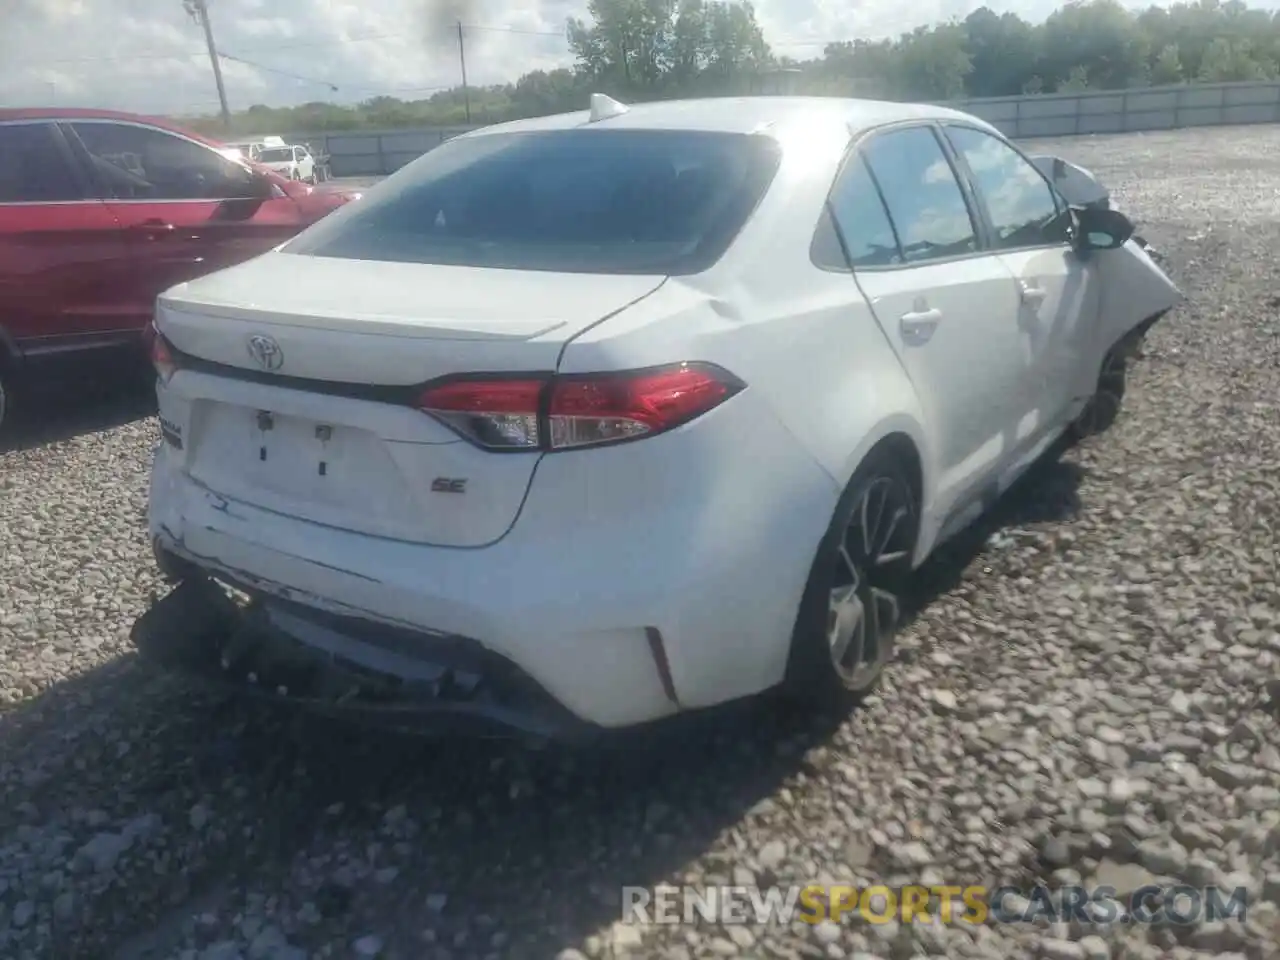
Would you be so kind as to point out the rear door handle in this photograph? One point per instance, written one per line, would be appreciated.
(918, 326)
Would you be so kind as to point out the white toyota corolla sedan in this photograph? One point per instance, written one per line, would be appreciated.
(583, 421)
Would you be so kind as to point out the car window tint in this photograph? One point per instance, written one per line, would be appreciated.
(585, 200)
(33, 169)
(923, 196)
(142, 163)
(861, 218)
(1024, 210)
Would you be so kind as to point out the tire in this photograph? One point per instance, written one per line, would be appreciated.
(6, 397)
(1103, 408)
(854, 601)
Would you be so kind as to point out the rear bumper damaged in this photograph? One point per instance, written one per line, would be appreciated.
(282, 652)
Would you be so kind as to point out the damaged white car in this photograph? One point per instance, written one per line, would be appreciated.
(583, 421)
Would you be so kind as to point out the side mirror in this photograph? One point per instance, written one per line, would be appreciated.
(1099, 229)
(258, 189)
(261, 186)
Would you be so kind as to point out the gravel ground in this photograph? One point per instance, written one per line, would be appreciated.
(1085, 694)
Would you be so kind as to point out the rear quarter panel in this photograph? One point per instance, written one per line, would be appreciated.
(804, 339)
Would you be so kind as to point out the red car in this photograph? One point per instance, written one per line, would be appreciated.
(100, 212)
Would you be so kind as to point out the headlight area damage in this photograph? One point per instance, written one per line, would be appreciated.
(1137, 291)
(243, 641)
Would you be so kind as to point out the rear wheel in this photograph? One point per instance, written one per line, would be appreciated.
(854, 601)
(6, 396)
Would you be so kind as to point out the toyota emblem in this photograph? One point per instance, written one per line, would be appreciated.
(266, 352)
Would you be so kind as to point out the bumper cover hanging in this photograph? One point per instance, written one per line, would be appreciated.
(282, 652)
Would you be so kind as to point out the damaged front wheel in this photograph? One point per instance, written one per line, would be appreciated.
(1103, 408)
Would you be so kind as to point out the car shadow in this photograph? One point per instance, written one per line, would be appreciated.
(50, 411)
(445, 848)
(1049, 492)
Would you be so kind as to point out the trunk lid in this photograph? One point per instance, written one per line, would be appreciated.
(328, 441)
(357, 321)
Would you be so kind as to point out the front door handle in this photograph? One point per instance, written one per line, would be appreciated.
(155, 227)
(1032, 295)
(918, 326)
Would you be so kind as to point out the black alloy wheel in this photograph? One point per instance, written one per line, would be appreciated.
(855, 599)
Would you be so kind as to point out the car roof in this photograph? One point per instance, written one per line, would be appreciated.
(741, 115)
(82, 113)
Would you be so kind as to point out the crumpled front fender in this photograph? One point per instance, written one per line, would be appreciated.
(1134, 290)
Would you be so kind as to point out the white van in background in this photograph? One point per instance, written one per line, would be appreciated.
(249, 149)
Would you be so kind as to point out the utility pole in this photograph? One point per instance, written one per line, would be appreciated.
(462, 58)
(200, 12)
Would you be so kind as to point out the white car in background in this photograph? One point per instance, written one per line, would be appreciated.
(586, 420)
(293, 161)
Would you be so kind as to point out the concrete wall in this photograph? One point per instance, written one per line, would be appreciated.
(1126, 111)
(373, 153)
(369, 153)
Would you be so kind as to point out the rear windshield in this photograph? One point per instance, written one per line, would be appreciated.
(583, 200)
(275, 154)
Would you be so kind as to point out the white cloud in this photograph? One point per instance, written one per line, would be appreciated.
(149, 56)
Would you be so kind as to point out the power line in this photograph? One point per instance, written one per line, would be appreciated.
(520, 30)
(117, 58)
(283, 73)
(304, 45)
(373, 38)
(385, 90)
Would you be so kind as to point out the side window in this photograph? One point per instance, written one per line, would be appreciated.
(920, 189)
(33, 167)
(1024, 210)
(143, 163)
(857, 215)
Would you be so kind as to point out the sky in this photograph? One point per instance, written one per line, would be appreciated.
(148, 56)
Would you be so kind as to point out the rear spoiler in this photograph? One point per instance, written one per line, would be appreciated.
(1078, 186)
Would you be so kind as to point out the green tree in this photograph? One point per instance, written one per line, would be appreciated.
(1002, 50)
(931, 63)
(1168, 66)
(1226, 60)
(1099, 35)
(1077, 80)
(646, 49)
(659, 47)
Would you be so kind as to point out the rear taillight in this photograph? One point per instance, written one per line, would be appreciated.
(162, 355)
(502, 414)
(578, 410)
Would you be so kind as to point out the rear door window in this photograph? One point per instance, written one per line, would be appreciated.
(34, 166)
(591, 201)
(857, 216)
(920, 189)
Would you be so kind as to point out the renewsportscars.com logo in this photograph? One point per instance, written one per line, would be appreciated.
(1100, 905)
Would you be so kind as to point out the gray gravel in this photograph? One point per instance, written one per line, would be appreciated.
(1085, 696)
